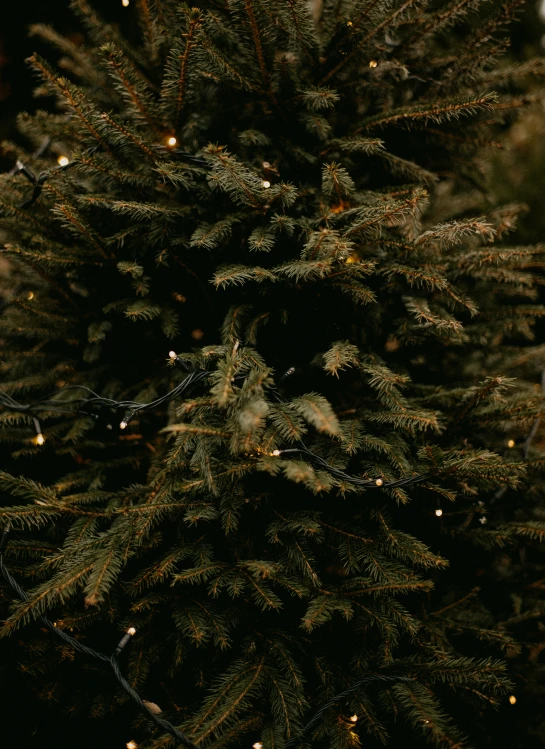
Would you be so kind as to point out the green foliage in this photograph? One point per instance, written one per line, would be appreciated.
(319, 243)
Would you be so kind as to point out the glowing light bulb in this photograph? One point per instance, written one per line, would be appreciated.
(276, 453)
(131, 631)
(171, 141)
(511, 443)
(123, 424)
(379, 482)
(130, 744)
(63, 160)
(39, 439)
(373, 63)
(173, 354)
(513, 699)
(266, 183)
(438, 512)
(257, 745)
(30, 296)
(125, 4)
(349, 23)
(353, 718)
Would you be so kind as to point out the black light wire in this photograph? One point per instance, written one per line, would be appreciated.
(40, 180)
(337, 472)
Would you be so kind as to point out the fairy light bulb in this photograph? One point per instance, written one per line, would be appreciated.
(353, 718)
(173, 354)
(171, 141)
(438, 512)
(373, 63)
(513, 699)
(276, 453)
(39, 439)
(63, 160)
(257, 745)
(123, 424)
(379, 482)
(125, 639)
(266, 183)
(30, 296)
(125, 4)
(130, 744)
(511, 443)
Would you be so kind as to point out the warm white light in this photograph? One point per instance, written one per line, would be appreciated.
(276, 453)
(130, 744)
(511, 443)
(40, 439)
(131, 631)
(373, 63)
(30, 296)
(512, 699)
(123, 424)
(125, 4)
(63, 160)
(379, 482)
(172, 141)
(266, 183)
(353, 718)
(438, 512)
(257, 745)
(173, 354)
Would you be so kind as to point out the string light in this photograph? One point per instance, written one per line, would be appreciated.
(39, 439)
(513, 699)
(125, 4)
(266, 183)
(379, 482)
(353, 718)
(125, 639)
(438, 512)
(30, 296)
(39, 181)
(276, 453)
(511, 443)
(171, 141)
(123, 424)
(483, 520)
(373, 63)
(164, 724)
(130, 744)
(173, 354)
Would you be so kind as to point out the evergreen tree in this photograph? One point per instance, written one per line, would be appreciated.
(319, 512)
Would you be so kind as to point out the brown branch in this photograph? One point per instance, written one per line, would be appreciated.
(184, 59)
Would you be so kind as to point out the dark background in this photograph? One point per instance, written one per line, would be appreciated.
(27, 722)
